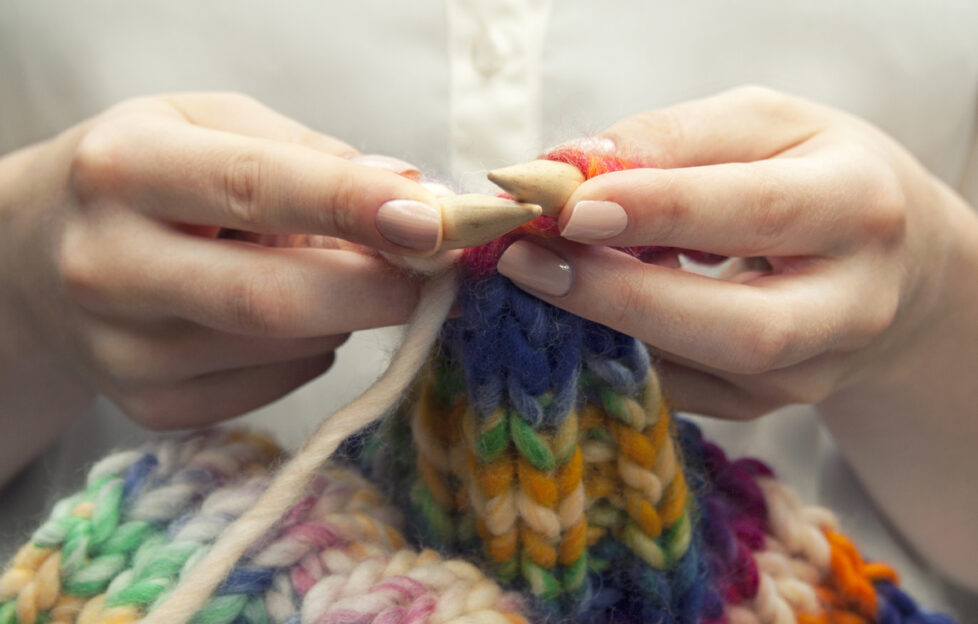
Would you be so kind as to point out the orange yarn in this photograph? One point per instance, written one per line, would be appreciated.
(847, 593)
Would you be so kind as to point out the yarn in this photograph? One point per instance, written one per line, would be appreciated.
(435, 302)
(534, 473)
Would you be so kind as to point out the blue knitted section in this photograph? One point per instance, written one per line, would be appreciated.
(895, 606)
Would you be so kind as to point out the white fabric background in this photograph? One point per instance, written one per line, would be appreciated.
(464, 85)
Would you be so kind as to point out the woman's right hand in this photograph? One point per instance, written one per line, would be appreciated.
(110, 258)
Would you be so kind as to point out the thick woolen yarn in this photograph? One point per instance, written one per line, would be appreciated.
(535, 473)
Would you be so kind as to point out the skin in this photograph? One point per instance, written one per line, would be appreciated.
(113, 278)
(861, 306)
(864, 303)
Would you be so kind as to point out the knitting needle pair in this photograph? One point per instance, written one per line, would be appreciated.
(538, 187)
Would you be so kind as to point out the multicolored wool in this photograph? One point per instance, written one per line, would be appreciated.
(536, 449)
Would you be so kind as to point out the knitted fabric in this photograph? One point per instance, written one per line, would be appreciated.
(540, 475)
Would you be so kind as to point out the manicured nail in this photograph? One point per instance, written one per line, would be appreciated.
(536, 268)
(410, 224)
(380, 161)
(593, 220)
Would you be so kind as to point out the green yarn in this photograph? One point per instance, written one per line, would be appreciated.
(647, 548)
(530, 445)
(107, 512)
(8, 612)
(507, 570)
(542, 583)
(52, 533)
(677, 538)
(255, 612)
(221, 609)
(491, 444)
(95, 576)
(614, 404)
(169, 560)
(140, 593)
(127, 538)
(439, 525)
(573, 576)
(603, 514)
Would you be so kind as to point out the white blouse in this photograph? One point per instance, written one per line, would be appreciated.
(461, 86)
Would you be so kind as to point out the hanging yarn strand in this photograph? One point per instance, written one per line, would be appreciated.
(436, 299)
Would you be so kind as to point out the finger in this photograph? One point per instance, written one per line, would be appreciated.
(691, 390)
(740, 125)
(176, 350)
(129, 265)
(219, 396)
(194, 175)
(241, 114)
(807, 383)
(817, 205)
(770, 323)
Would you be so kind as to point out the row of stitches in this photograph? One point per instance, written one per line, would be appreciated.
(129, 499)
(801, 568)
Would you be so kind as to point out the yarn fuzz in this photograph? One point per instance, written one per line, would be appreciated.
(535, 474)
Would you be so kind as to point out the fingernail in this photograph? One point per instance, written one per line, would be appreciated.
(536, 268)
(409, 223)
(389, 163)
(593, 220)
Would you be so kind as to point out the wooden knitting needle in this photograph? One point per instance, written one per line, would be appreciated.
(474, 219)
(546, 183)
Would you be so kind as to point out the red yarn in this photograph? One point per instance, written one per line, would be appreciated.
(590, 165)
(481, 260)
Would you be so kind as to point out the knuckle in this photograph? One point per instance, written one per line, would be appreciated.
(756, 93)
(876, 319)
(666, 126)
(76, 268)
(631, 293)
(796, 387)
(771, 211)
(339, 219)
(116, 360)
(154, 408)
(774, 105)
(243, 178)
(887, 219)
(767, 348)
(126, 360)
(237, 99)
(673, 211)
(259, 303)
(98, 164)
(772, 101)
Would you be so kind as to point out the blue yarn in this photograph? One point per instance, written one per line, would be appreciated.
(137, 474)
(251, 580)
(895, 606)
(513, 346)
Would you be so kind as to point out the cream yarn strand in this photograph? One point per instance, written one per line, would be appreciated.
(437, 296)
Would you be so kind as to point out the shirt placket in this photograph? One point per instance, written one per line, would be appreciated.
(495, 50)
